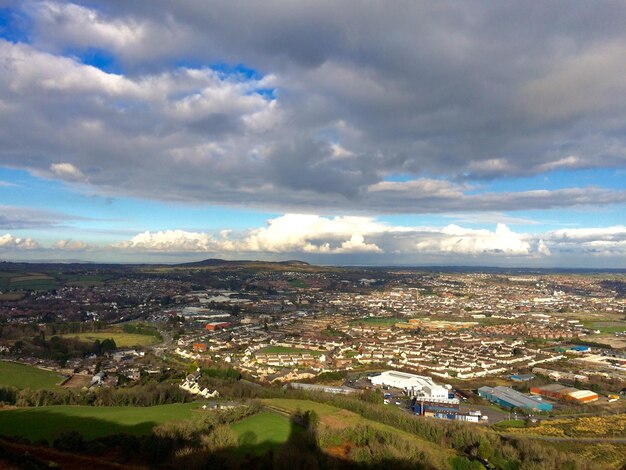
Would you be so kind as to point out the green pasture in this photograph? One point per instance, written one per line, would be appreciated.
(606, 326)
(261, 432)
(47, 422)
(25, 376)
(122, 340)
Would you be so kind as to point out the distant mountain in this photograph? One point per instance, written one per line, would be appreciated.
(222, 262)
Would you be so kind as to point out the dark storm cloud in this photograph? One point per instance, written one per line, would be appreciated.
(358, 91)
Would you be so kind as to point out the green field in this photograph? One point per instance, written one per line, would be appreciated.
(47, 422)
(84, 280)
(606, 326)
(122, 340)
(333, 416)
(24, 376)
(511, 423)
(261, 432)
(298, 283)
(285, 350)
(27, 281)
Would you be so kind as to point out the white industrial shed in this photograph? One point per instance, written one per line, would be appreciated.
(414, 385)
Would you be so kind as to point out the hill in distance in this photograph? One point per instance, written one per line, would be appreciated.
(222, 262)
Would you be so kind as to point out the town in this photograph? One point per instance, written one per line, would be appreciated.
(486, 348)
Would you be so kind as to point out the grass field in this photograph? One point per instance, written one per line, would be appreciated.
(298, 283)
(262, 432)
(24, 376)
(606, 326)
(122, 340)
(47, 422)
(84, 280)
(13, 281)
(511, 423)
(285, 350)
(331, 416)
(27, 281)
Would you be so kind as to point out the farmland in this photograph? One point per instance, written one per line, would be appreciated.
(40, 281)
(24, 376)
(122, 340)
(47, 422)
(27, 281)
(262, 432)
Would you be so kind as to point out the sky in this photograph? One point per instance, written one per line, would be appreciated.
(357, 132)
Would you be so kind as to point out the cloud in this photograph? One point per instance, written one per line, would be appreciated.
(67, 172)
(71, 245)
(325, 107)
(298, 233)
(9, 242)
(290, 233)
(543, 249)
(369, 241)
(606, 241)
(353, 240)
(456, 239)
(170, 240)
(18, 217)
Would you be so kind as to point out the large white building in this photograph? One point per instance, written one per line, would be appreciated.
(414, 385)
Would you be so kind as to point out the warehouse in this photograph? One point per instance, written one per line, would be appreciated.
(561, 392)
(554, 391)
(509, 398)
(218, 325)
(582, 396)
(413, 385)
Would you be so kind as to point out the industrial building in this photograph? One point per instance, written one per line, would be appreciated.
(522, 377)
(509, 398)
(414, 385)
(561, 392)
(582, 396)
(324, 388)
(451, 411)
(215, 326)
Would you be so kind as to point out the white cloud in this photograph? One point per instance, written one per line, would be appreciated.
(606, 241)
(312, 233)
(298, 233)
(358, 239)
(7, 241)
(67, 172)
(613, 233)
(170, 240)
(456, 239)
(73, 23)
(291, 233)
(71, 245)
(543, 249)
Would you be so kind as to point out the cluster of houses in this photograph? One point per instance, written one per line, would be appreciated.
(190, 384)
